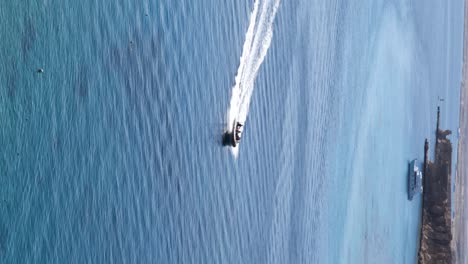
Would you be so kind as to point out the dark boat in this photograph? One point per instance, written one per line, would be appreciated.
(233, 138)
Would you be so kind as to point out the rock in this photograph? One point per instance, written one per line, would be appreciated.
(436, 236)
(437, 210)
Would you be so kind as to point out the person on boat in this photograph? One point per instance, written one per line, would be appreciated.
(238, 132)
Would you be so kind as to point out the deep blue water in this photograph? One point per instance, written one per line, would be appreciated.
(113, 154)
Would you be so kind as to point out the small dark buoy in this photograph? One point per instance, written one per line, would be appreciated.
(40, 70)
(131, 42)
(146, 14)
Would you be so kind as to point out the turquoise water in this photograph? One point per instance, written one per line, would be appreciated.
(113, 154)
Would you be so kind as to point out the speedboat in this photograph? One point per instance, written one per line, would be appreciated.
(414, 179)
(233, 138)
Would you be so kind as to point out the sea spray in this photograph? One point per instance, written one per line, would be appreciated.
(257, 41)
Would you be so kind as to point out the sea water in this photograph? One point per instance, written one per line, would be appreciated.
(113, 154)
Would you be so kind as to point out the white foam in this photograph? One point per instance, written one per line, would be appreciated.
(257, 41)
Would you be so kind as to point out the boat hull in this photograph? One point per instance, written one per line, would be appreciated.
(414, 179)
(229, 137)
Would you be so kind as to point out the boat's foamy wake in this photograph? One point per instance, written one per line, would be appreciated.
(257, 42)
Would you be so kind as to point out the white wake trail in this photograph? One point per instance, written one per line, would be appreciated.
(257, 41)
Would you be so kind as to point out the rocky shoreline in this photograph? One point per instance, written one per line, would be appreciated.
(436, 227)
